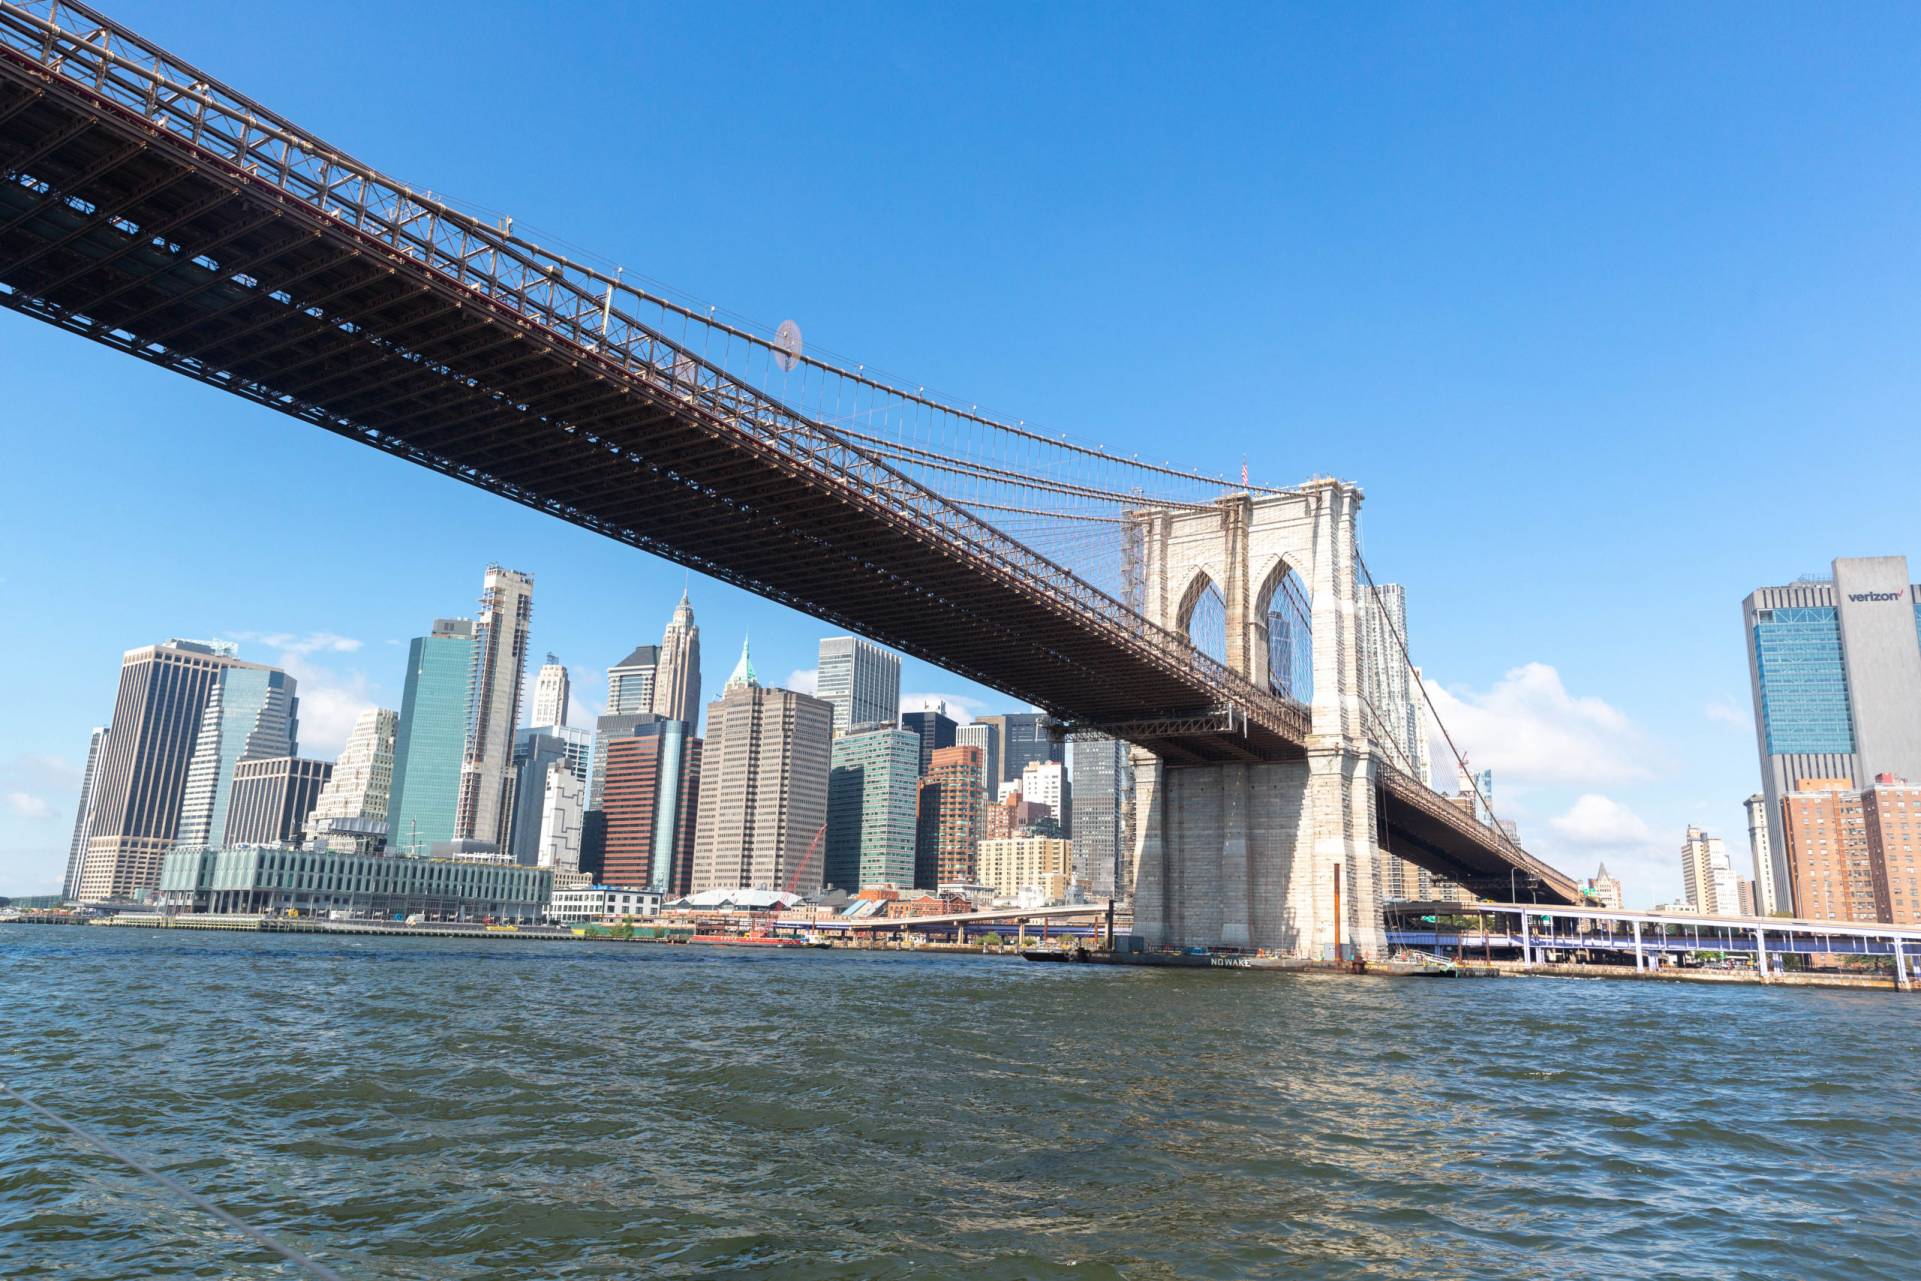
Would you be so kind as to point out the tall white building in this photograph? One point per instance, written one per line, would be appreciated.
(677, 678)
(500, 657)
(630, 682)
(1760, 846)
(861, 680)
(350, 816)
(551, 689)
(252, 711)
(1707, 879)
(560, 820)
(1046, 782)
(83, 818)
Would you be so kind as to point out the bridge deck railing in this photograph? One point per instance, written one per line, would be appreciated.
(573, 303)
(594, 315)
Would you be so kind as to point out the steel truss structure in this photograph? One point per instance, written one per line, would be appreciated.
(148, 207)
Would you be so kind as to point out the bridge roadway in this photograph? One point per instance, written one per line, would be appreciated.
(148, 207)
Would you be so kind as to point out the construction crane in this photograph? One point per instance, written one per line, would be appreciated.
(793, 877)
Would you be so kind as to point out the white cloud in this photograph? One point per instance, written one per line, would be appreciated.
(311, 643)
(1725, 711)
(583, 709)
(1529, 729)
(48, 766)
(1597, 821)
(330, 700)
(804, 680)
(962, 707)
(330, 703)
(27, 805)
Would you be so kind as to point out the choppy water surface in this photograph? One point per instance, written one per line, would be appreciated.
(431, 1108)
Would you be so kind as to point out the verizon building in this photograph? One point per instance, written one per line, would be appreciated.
(1836, 671)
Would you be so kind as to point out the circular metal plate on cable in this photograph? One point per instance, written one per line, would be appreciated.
(787, 346)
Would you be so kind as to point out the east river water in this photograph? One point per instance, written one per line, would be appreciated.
(412, 1108)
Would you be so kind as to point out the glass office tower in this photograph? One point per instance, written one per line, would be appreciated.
(1835, 667)
(431, 741)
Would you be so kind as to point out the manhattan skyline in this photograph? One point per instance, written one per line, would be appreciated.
(1576, 487)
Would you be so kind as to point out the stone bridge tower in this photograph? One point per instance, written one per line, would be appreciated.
(1249, 855)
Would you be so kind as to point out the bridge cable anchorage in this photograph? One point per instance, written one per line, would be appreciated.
(175, 1186)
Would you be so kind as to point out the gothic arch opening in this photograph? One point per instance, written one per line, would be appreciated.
(1202, 617)
(1284, 613)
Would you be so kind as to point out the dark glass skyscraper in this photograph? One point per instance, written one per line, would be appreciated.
(936, 730)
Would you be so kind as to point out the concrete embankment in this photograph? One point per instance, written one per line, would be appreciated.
(1673, 974)
(305, 925)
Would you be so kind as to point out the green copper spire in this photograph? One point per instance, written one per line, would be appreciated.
(743, 677)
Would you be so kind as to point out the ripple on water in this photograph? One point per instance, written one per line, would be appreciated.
(441, 1109)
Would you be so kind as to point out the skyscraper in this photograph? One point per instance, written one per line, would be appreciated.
(936, 730)
(83, 817)
(985, 735)
(1395, 715)
(430, 740)
(350, 815)
(950, 813)
(870, 807)
(630, 682)
(1103, 786)
(1387, 680)
(271, 799)
(500, 657)
(140, 779)
(1824, 843)
(551, 689)
(677, 678)
(560, 815)
(1761, 849)
(862, 681)
(649, 807)
(1025, 737)
(1707, 879)
(251, 712)
(1891, 812)
(1046, 783)
(535, 748)
(1604, 889)
(763, 788)
(1835, 668)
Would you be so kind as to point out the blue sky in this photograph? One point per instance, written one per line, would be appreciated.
(1611, 311)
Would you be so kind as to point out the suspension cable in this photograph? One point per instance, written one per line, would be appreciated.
(1460, 760)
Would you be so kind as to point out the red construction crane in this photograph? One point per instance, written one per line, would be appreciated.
(793, 877)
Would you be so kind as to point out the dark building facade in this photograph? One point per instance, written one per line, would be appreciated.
(949, 819)
(650, 793)
(936, 730)
(272, 797)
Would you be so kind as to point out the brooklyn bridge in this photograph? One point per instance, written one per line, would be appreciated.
(1217, 625)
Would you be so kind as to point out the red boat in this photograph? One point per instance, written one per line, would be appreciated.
(753, 940)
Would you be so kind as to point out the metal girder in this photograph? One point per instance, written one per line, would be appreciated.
(587, 423)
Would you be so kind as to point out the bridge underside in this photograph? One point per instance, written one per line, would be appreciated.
(122, 231)
(119, 232)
